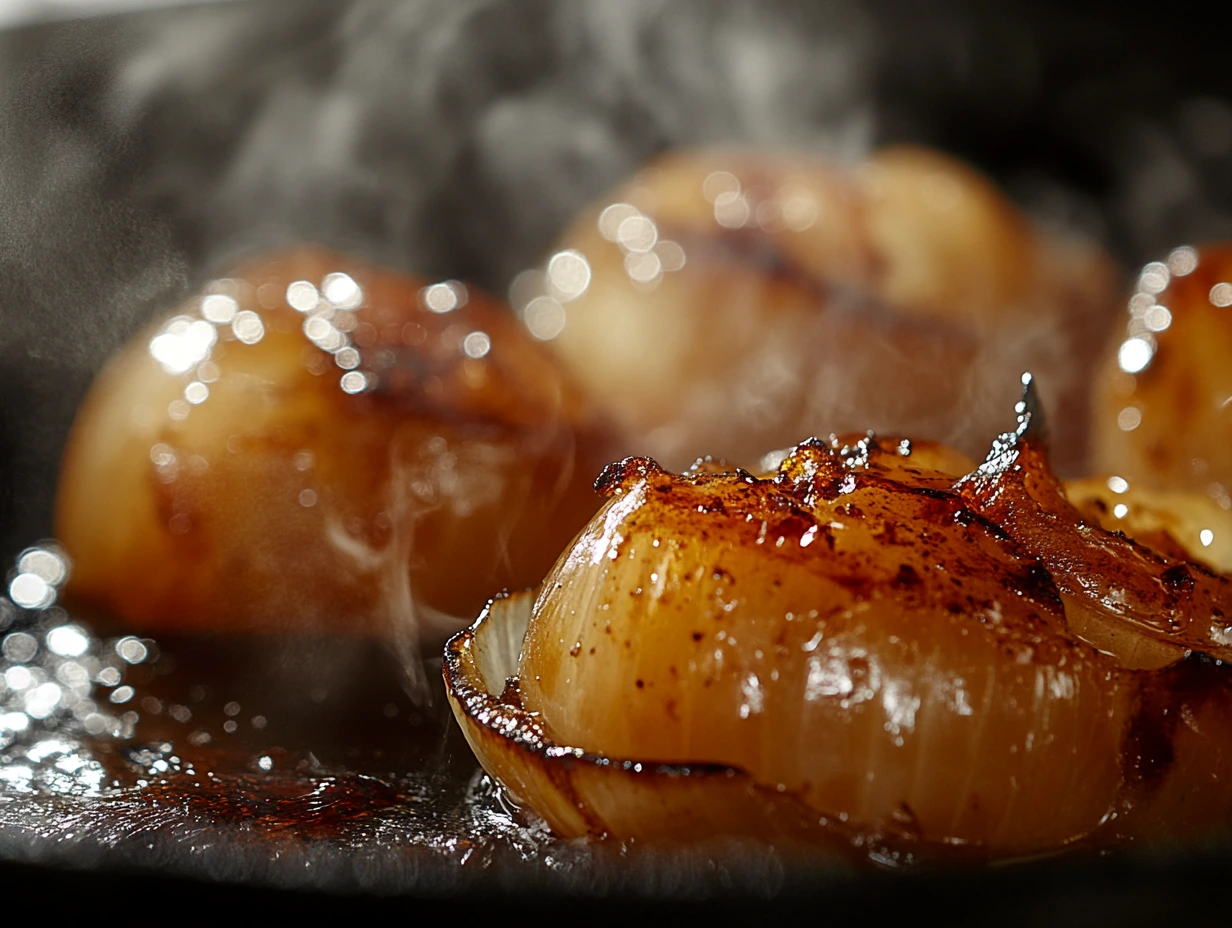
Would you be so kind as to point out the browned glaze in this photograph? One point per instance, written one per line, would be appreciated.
(315, 443)
(764, 296)
(946, 660)
(1162, 411)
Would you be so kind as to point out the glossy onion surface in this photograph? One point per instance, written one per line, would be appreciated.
(909, 658)
(317, 444)
(1163, 407)
(727, 302)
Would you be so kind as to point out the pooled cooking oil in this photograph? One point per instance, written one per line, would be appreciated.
(199, 738)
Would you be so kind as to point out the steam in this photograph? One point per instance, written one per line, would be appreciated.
(420, 483)
(406, 618)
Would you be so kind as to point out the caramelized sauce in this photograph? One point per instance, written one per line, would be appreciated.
(1165, 701)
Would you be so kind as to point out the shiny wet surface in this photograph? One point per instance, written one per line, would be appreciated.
(250, 761)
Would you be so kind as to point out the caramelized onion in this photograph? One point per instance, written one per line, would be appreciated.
(759, 297)
(316, 444)
(862, 649)
(1163, 403)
